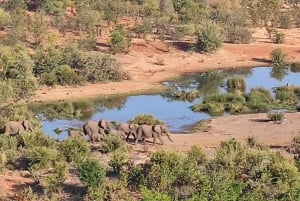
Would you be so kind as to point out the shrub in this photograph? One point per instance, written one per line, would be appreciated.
(238, 35)
(56, 178)
(92, 174)
(111, 143)
(259, 99)
(43, 157)
(285, 20)
(61, 75)
(278, 57)
(74, 149)
(209, 37)
(97, 67)
(197, 155)
(234, 84)
(151, 195)
(286, 97)
(231, 155)
(4, 18)
(295, 67)
(146, 119)
(120, 40)
(36, 138)
(278, 37)
(276, 116)
(134, 176)
(88, 43)
(117, 161)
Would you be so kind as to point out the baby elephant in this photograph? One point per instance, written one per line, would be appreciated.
(75, 133)
(17, 127)
(127, 129)
(149, 131)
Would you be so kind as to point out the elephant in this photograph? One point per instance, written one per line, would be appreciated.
(96, 130)
(127, 129)
(155, 131)
(17, 127)
(75, 133)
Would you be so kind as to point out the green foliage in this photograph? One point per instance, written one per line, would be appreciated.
(151, 195)
(62, 75)
(146, 119)
(36, 138)
(97, 67)
(209, 37)
(117, 161)
(278, 57)
(111, 143)
(278, 37)
(46, 59)
(74, 149)
(236, 84)
(285, 20)
(259, 100)
(4, 18)
(92, 174)
(276, 116)
(43, 157)
(120, 40)
(197, 155)
(56, 178)
(238, 35)
(78, 109)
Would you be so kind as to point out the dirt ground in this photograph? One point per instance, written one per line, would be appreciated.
(141, 64)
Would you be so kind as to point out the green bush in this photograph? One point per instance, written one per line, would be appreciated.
(146, 119)
(238, 35)
(234, 84)
(151, 195)
(4, 18)
(286, 97)
(111, 143)
(259, 100)
(120, 40)
(74, 149)
(209, 37)
(276, 116)
(295, 67)
(285, 20)
(278, 57)
(197, 155)
(43, 157)
(92, 174)
(36, 139)
(117, 161)
(56, 178)
(278, 37)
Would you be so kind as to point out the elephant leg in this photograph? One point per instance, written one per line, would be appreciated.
(138, 137)
(159, 137)
(154, 138)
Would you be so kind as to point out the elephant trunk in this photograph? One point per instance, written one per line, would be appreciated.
(168, 135)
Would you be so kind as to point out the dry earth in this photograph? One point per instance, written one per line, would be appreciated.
(146, 75)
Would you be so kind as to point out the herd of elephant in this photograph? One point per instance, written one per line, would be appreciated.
(97, 130)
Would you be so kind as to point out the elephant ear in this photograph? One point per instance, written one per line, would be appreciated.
(25, 124)
(156, 128)
(102, 123)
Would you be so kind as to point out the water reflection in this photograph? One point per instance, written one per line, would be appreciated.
(166, 107)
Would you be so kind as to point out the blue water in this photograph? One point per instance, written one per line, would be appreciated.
(175, 113)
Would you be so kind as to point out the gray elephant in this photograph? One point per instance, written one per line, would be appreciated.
(152, 131)
(96, 130)
(75, 133)
(17, 127)
(127, 129)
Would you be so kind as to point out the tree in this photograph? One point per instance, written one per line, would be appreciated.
(209, 37)
(38, 26)
(119, 40)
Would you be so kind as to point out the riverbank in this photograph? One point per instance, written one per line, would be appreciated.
(148, 64)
